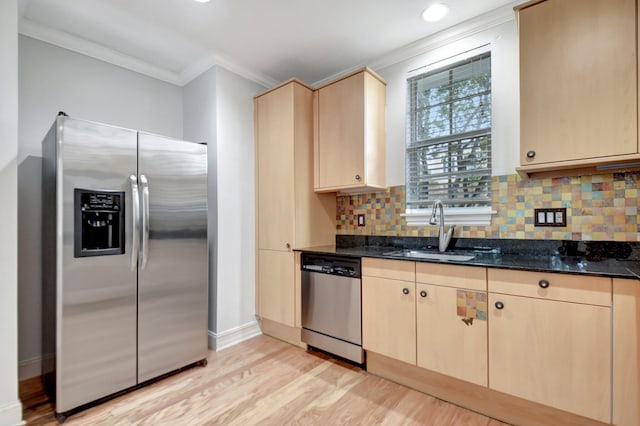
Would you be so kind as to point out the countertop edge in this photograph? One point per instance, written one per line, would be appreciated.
(618, 269)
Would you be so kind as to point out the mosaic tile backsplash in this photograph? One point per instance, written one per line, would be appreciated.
(599, 208)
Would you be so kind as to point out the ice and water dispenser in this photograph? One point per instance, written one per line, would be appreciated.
(99, 223)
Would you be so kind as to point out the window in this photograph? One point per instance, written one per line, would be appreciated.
(448, 153)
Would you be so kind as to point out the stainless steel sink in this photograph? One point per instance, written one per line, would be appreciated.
(423, 254)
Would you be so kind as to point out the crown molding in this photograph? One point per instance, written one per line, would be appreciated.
(76, 44)
(211, 59)
(97, 51)
(447, 36)
(450, 35)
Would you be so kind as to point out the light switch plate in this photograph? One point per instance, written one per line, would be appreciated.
(360, 220)
(550, 217)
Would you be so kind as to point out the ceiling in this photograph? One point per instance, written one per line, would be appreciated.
(266, 40)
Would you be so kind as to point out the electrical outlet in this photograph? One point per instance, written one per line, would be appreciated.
(550, 217)
(360, 220)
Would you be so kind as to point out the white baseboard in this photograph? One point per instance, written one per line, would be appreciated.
(224, 339)
(11, 414)
(29, 368)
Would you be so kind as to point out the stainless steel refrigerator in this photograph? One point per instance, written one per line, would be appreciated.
(125, 259)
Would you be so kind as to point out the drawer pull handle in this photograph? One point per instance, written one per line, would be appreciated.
(358, 177)
(531, 154)
(405, 291)
(543, 283)
(423, 293)
(499, 305)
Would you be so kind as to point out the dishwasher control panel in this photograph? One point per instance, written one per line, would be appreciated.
(333, 265)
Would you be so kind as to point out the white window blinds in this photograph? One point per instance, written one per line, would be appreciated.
(448, 154)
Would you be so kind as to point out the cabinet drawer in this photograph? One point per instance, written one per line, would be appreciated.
(568, 288)
(393, 269)
(470, 277)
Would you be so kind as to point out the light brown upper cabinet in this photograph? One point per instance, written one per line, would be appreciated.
(578, 84)
(289, 214)
(349, 139)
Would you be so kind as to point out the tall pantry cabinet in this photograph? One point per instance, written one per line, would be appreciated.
(289, 214)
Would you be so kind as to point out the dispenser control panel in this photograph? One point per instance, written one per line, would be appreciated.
(98, 223)
(98, 201)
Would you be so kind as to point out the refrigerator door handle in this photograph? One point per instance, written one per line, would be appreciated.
(135, 234)
(145, 220)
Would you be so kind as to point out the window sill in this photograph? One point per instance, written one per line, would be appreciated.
(469, 216)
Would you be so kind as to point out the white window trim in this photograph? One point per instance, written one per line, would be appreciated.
(463, 216)
(466, 216)
(450, 60)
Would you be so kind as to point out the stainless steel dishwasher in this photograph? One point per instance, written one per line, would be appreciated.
(331, 305)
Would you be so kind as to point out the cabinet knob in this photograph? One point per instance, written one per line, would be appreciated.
(423, 293)
(531, 154)
(358, 177)
(499, 305)
(543, 283)
(405, 291)
(288, 245)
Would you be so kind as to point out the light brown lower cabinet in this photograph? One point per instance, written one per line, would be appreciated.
(452, 339)
(418, 323)
(447, 344)
(276, 295)
(551, 352)
(559, 340)
(389, 317)
(626, 352)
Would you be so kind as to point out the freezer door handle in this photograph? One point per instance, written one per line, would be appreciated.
(145, 220)
(135, 234)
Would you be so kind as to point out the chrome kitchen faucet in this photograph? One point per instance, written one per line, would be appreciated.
(443, 237)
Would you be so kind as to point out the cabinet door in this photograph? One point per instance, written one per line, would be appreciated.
(275, 179)
(276, 286)
(446, 343)
(626, 352)
(551, 352)
(389, 318)
(340, 144)
(578, 89)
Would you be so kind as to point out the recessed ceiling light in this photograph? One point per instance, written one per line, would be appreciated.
(202, 1)
(435, 12)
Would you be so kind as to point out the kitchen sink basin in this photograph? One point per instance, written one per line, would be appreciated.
(423, 254)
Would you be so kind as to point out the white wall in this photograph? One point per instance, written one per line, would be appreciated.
(10, 407)
(53, 79)
(199, 124)
(218, 109)
(503, 40)
(236, 201)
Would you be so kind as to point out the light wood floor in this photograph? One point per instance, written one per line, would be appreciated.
(262, 381)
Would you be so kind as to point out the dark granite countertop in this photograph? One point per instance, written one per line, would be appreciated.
(569, 264)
